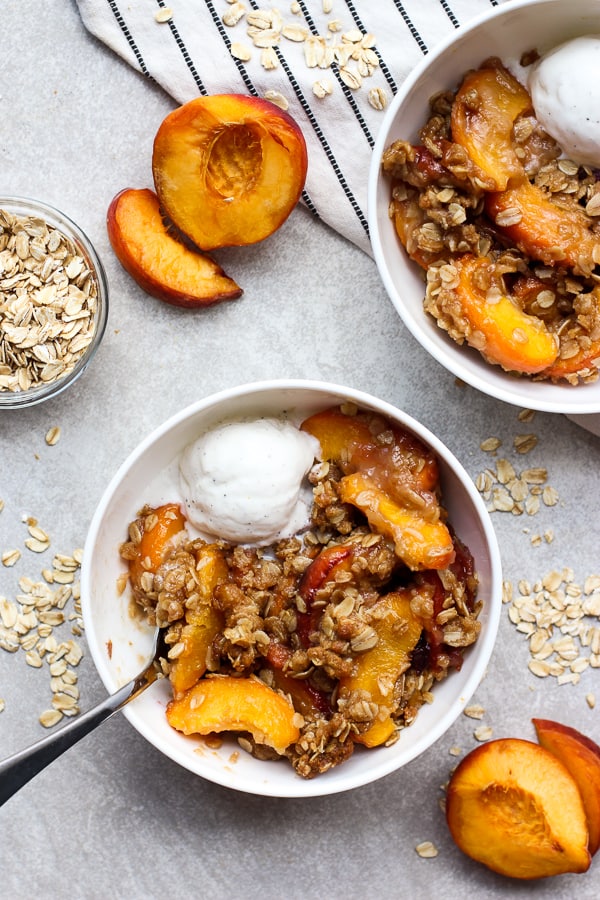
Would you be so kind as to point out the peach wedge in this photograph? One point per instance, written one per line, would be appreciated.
(484, 111)
(505, 334)
(229, 169)
(157, 260)
(513, 806)
(581, 756)
(225, 703)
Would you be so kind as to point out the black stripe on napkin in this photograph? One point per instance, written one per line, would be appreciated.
(224, 37)
(447, 9)
(411, 26)
(184, 52)
(128, 36)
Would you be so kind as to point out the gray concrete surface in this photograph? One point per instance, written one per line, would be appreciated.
(113, 818)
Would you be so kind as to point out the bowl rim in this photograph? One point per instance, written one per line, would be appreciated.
(492, 380)
(320, 786)
(21, 205)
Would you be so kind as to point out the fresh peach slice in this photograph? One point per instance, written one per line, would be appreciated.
(484, 111)
(419, 543)
(543, 230)
(514, 807)
(499, 328)
(155, 543)
(226, 703)
(229, 169)
(157, 260)
(377, 670)
(581, 756)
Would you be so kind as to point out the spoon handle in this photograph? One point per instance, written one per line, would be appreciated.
(21, 767)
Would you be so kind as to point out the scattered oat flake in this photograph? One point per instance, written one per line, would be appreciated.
(240, 51)
(426, 850)
(484, 733)
(454, 751)
(523, 443)
(590, 699)
(490, 444)
(277, 98)
(474, 712)
(10, 557)
(53, 436)
(50, 717)
(36, 546)
(526, 415)
(165, 14)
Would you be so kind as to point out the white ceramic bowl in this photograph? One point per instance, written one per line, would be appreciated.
(144, 477)
(506, 31)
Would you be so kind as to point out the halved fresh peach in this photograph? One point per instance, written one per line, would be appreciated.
(225, 703)
(484, 111)
(157, 260)
(514, 807)
(540, 228)
(377, 670)
(499, 328)
(229, 168)
(581, 756)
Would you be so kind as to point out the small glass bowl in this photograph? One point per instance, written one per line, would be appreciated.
(55, 219)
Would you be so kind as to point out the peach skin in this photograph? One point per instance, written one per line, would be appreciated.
(229, 169)
(163, 266)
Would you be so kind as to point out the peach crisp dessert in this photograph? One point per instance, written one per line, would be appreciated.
(505, 228)
(306, 644)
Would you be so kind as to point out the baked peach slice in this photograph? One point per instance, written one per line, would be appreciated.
(419, 543)
(168, 522)
(484, 111)
(162, 264)
(543, 230)
(229, 169)
(202, 624)
(581, 756)
(502, 332)
(350, 440)
(225, 703)
(513, 806)
(377, 670)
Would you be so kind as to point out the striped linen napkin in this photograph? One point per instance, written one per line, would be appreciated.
(334, 64)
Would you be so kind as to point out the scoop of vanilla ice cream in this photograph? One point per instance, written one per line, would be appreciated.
(565, 90)
(243, 480)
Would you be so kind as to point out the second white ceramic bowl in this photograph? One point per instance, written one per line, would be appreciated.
(506, 31)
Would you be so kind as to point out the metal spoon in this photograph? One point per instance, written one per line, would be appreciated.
(21, 767)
